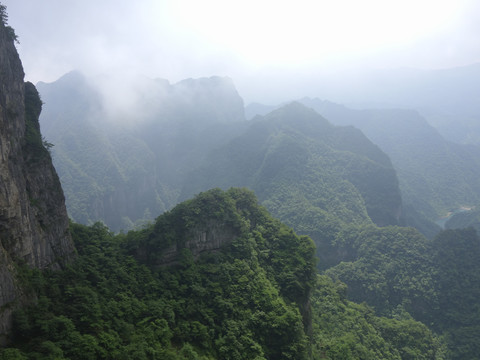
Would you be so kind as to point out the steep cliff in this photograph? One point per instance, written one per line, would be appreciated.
(33, 217)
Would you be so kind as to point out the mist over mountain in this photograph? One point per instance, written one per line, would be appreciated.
(435, 175)
(309, 163)
(305, 232)
(124, 166)
(295, 152)
(446, 98)
(148, 165)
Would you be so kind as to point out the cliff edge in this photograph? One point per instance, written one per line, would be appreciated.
(33, 218)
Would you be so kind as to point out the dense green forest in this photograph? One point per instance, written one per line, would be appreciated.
(300, 165)
(382, 292)
(255, 296)
(160, 293)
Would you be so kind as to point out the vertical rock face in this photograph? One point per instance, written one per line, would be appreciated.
(33, 217)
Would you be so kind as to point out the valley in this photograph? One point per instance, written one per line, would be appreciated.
(171, 221)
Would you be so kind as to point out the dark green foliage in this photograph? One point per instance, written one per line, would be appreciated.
(35, 146)
(247, 300)
(399, 272)
(254, 297)
(386, 267)
(4, 22)
(177, 225)
(457, 279)
(286, 257)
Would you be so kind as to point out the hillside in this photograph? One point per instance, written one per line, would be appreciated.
(308, 173)
(436, 176)
(239, 285)
(464, 218)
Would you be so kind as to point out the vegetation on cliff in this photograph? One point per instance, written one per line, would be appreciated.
(4, 21)
(257, 297)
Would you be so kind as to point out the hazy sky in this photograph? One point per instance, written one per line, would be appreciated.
(264, 46)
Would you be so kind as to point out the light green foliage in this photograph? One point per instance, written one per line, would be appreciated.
(313, 176)
(302, 168)
(35, 147)
(435, 175)
(4, 22)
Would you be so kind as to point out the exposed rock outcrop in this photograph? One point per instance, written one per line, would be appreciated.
(208, 237)
(33, 217)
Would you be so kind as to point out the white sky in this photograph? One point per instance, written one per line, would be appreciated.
(255, 42)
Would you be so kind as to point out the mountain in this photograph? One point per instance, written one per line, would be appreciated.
(214, 278)
(447, 98)
(312, 175)
(436, 176)
(148, 163)
(195, 137)
(98, 187)
(123, 167)
(33, 218)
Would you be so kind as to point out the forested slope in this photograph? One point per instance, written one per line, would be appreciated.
(254, 295)
(310, 174)
(400, 273)
(436, 176)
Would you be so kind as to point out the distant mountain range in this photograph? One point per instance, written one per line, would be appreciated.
(125, 168)
(447, 98)
(436, 175)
